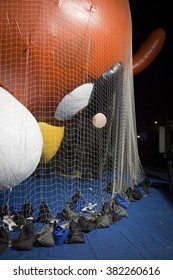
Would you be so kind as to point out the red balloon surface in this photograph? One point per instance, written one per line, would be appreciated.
(48, 48)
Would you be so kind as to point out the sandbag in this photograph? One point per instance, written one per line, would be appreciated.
(86, 225)
(4, 239)
(60, 235)
(44, 213)
(26, 239)
(102, 221)
(75, 234)
(45, 237)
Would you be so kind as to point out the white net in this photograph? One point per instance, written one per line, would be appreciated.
(48, 49)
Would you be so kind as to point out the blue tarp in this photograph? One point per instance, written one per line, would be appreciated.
(147, 234)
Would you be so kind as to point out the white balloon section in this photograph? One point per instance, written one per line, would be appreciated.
(21, 141)
(75, 101)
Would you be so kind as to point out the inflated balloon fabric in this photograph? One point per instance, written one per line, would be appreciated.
(20, 141)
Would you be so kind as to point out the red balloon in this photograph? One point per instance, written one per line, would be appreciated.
(48, 48)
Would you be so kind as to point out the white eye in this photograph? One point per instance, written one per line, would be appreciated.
(73, 102)
(21, 141)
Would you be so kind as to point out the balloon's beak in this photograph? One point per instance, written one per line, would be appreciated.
(52, 138)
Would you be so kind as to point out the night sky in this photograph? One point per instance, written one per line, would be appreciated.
(154, 86)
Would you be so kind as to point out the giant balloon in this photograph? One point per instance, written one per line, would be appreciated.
(53, 51)
(49, 48)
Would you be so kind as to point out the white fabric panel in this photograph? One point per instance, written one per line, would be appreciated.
(20, 141)
(73, 102)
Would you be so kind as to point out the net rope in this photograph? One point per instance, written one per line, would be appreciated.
(89, 158)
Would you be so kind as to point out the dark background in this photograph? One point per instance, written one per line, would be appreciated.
(154, 86)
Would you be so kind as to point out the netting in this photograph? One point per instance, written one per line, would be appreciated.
(67, 61)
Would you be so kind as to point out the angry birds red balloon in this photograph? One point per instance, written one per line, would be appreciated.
(48, 48)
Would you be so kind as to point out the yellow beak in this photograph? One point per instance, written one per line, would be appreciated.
(52, 138)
